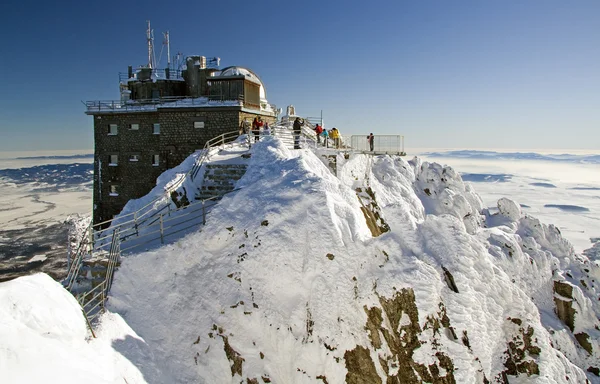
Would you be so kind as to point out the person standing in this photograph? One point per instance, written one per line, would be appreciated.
(335, 135)
(256, 124)
(371, 139)
(318, 131)
(297, 130)
(325, 138)
(244, 127)
(267, 129)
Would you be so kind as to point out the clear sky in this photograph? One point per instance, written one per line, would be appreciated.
(458, 74)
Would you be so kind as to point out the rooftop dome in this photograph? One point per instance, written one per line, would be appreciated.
(241, 71)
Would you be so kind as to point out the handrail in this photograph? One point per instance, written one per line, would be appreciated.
(163, 102)
(222, 139)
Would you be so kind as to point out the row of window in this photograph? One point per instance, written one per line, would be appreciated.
(113, 160)
(113, 129)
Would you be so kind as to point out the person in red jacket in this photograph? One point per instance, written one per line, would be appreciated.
(318, 131)
(256, 124)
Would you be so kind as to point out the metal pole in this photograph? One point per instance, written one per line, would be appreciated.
(91, 242)
(203, 214)
(162, 236)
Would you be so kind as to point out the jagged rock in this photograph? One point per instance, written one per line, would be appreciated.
(372, 213)
(564, 308)
(583, 340)
(402, 338)
(521, 354)
(360, 366)
(450, 280)
(234, 357)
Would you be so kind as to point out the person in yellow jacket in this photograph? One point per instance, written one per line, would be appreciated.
(335, 135)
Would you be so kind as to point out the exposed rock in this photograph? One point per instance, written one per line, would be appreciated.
(234, 357)
(521, 355)
(450, 280)
(360, 366)
(583, 340)
(564, 308)
(396, 324)
(372, 212)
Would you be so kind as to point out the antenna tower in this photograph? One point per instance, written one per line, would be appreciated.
(167, 42)
(150, 38)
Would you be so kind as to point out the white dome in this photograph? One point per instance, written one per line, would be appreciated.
(241, 71)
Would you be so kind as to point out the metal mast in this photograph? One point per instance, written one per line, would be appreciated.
(150, 43)
(168, 42)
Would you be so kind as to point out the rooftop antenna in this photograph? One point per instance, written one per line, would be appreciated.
(150, 38)
(168, 43)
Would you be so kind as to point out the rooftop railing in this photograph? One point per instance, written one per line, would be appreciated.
(151, 104)
(147, 74)
(141, 105)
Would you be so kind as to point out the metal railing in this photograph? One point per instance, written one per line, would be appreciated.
(93, 301)
(166, 224)
(218, 141)
(145, 74)
(140, 105)
(382, 144)
(164, 201)
(143, 221)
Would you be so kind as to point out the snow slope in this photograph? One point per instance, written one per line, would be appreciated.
(45, 338)
(287, 283)
(328, 269)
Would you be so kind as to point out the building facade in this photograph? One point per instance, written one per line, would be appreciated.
(163, 116)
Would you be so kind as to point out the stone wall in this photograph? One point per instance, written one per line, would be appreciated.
(133, 179)
(179, 138)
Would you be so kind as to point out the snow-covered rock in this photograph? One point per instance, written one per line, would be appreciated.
(376, 270)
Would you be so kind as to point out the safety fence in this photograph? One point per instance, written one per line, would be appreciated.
(382, 144)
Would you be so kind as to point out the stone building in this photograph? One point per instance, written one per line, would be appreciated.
(163, 116)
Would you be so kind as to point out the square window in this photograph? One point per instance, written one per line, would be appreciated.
(155, 160)
(114, 190)
(134, 157)
(112, 129)
(134, 127)
(198, 124)
(113, 160)
(156, 128)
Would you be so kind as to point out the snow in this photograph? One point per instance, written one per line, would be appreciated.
(45, 338)
(37, 258)
(287, 266)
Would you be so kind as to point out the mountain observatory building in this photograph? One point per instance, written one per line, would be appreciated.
(162, 117)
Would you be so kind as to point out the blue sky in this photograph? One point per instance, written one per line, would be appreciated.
(446, 74)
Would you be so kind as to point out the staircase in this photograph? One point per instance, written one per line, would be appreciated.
(220, 179)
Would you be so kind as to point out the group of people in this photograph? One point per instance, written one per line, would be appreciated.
(334, 134)
(257, 124)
